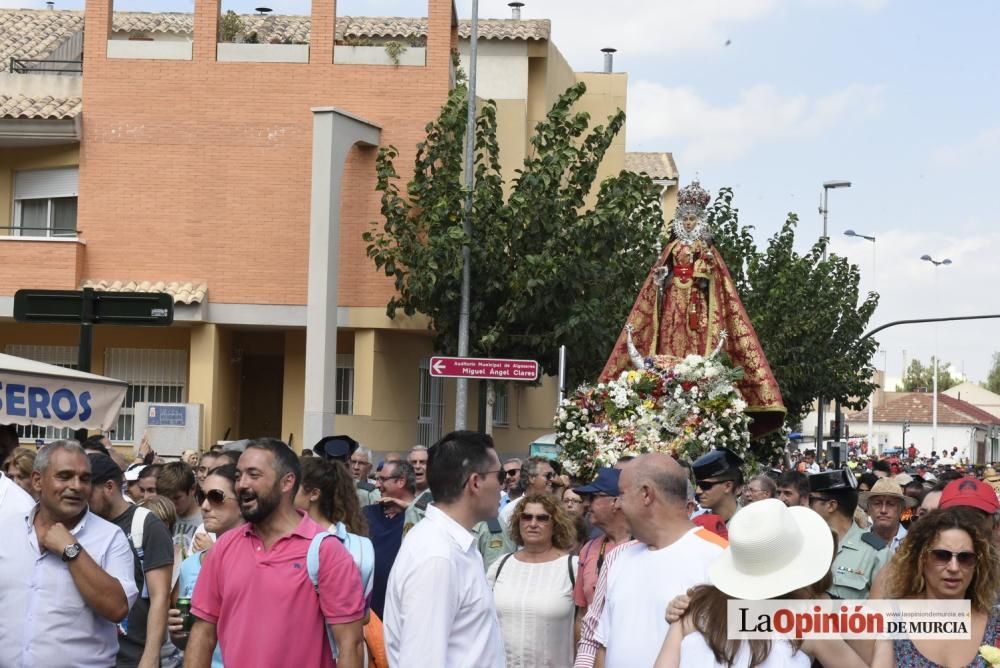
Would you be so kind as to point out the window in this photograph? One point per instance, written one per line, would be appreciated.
(64, 356)
(430, 412)
(45, 202)
(152, 376)
(501, 406)
(343, 403)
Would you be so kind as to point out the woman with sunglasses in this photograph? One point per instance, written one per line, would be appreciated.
(533, 587)
(948, 554)
(221, 513)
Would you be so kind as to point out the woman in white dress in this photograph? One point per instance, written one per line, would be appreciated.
(533, 587)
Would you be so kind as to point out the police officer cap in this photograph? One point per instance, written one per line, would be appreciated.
(715, 463)
(832, 480)
(336, 447)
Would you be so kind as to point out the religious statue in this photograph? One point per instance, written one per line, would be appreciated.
(688, 305)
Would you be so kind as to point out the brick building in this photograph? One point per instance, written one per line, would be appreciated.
(180, 163)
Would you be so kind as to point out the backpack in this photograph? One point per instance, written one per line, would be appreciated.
(135, 536)
(363, 555)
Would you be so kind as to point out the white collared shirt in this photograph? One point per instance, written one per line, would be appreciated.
(438, 607)
(897, 539)
(44, 620)
(13, 499)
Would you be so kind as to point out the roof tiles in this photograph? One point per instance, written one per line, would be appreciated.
(656, 165)
(39, 108)
(183, 293)
(917, 407)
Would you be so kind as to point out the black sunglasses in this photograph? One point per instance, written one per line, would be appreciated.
(944, 557)
(541, 518)
(510, 473)
(705, 485)
(217, 497)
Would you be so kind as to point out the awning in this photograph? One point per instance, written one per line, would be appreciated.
(34, 393)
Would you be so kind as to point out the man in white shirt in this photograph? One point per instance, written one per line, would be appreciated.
(67, 577)
(625, 624)
(439, 608)
(13, 499)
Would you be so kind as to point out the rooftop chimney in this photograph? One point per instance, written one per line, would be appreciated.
(515, 10)
(609, 58)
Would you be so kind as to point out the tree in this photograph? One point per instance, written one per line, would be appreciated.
(546, 270)
(993, 379)
(920, 378)
(806, 311)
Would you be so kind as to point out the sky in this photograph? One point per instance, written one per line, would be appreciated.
(775, 97)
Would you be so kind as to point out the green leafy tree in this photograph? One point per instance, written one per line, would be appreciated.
(546, 269)
(920, 378)
(806, 310)
(993, 379)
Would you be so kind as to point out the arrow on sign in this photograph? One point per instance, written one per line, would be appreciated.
(438, 366)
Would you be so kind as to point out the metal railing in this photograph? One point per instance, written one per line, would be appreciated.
(18, 231)
(36, 66)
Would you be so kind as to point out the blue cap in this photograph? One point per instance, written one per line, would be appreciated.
(605, 483)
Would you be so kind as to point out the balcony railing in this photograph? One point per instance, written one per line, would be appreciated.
(27, 232)
(35, 66)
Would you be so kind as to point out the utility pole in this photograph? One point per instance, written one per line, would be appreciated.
(462, 384)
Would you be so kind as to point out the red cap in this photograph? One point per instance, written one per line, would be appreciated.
(970, 492)
(713, 523)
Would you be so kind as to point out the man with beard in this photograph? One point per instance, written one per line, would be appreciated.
(254, 593)
(67, 577)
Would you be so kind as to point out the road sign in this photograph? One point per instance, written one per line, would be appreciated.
(97, 308)
(483, 368)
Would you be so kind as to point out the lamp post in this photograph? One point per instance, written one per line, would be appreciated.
(934, 400)
(871, 399)
(824, 210)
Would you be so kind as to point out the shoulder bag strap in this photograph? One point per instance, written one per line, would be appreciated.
(503, 560)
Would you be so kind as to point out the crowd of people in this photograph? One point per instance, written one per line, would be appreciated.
(447, 556)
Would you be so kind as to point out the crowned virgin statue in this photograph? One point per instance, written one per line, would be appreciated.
(688, 305)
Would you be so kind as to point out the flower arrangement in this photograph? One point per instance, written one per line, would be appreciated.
(684, 410)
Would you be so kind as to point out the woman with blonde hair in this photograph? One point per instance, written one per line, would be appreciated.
(18, 468)
(947, 555)
(533, 587)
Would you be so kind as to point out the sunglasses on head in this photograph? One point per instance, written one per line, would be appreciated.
(541, 518)
(944, 557)
(217, 497)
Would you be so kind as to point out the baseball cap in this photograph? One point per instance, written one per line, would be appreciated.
(133, 471)
(103, 469)
(970, 492)
(605, 483)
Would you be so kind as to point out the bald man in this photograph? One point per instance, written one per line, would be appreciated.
(629, 630)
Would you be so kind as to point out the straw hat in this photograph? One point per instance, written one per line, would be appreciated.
(773, 550)
(886, 487)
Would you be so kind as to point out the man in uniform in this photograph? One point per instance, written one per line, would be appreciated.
(860, 554)
(719, 477)
(361, 468)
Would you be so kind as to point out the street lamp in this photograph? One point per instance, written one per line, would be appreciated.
(871, 399)
(824, 210)
(934, 400)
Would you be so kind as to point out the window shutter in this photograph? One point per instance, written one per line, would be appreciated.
(45, 183)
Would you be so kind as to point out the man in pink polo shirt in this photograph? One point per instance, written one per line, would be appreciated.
(254, 594)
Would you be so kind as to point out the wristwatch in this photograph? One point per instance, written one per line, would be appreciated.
(72, 552)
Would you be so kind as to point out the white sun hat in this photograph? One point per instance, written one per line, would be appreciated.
(773, 550)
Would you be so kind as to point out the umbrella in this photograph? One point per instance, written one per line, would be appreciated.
(35, 393)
